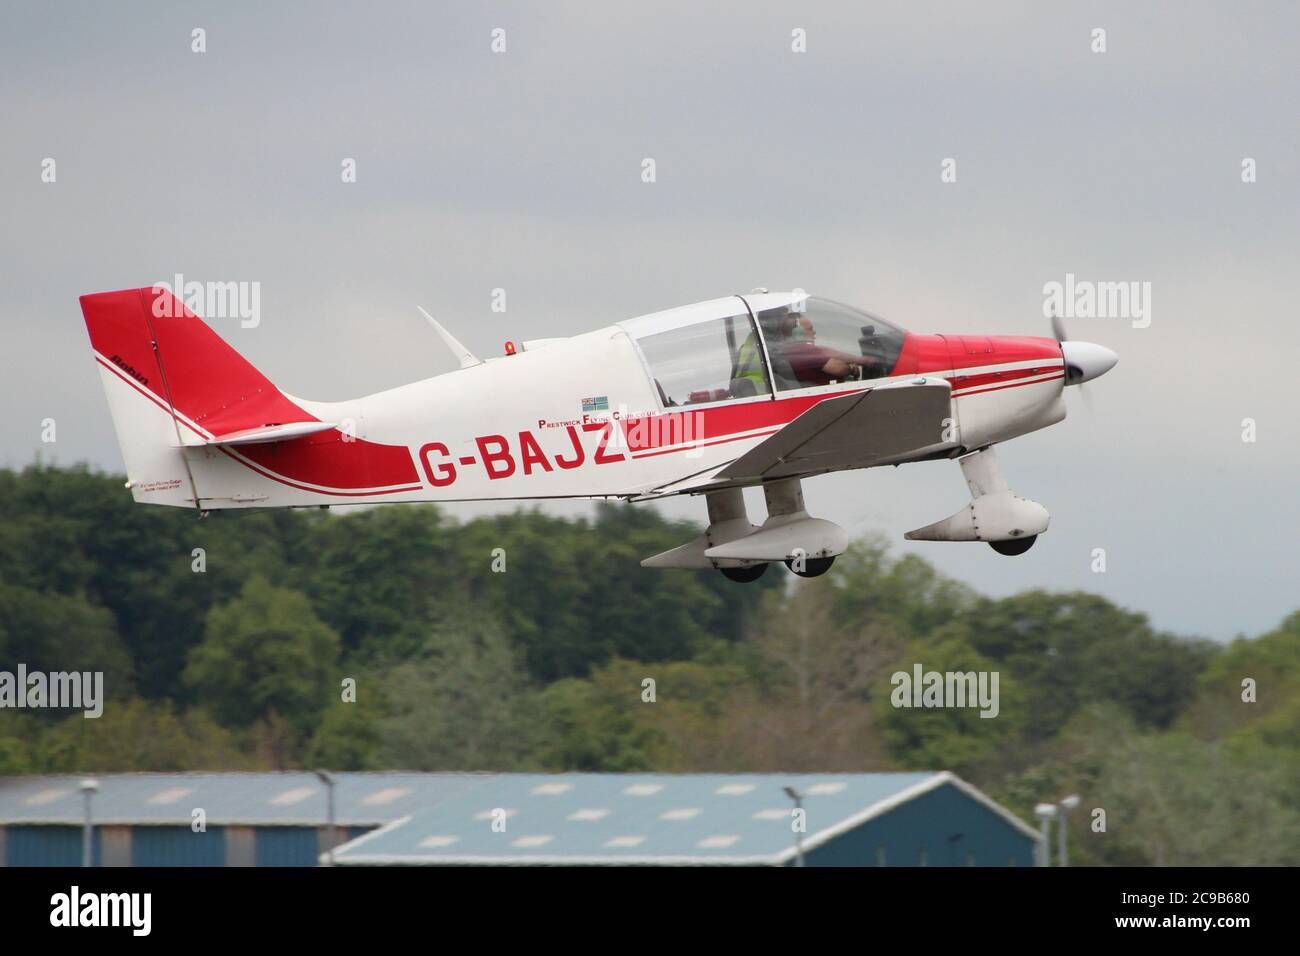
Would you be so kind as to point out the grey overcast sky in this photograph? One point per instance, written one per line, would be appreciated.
(522, 170)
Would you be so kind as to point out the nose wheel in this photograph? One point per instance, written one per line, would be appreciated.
(1014, 546)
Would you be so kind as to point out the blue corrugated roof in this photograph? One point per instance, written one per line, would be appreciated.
(239, 798)
(631, 818)
(549, 818)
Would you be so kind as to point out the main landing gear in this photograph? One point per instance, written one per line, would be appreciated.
(804, 567)
(742, 551)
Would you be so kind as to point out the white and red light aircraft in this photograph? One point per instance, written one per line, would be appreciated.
(761, 389)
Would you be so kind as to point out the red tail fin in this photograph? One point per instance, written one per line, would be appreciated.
(199, 426)
(168, 351)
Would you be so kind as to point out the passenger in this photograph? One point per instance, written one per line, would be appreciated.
(749, 359)
(749, 365)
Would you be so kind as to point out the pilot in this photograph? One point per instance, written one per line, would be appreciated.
(815, 364)
(797, 360)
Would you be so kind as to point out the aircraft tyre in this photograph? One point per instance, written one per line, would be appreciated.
(812, 567)
(1014, 546)
(744, 575)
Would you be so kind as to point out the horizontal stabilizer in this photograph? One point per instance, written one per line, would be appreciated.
(263, 434)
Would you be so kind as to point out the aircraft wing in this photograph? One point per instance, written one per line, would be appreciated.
(887, 425)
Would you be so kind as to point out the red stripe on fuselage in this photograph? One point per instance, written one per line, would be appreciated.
(322, 491)
(325, 459)
(997, 388)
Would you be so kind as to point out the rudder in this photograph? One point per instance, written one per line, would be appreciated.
(154, 355)
(199, 426)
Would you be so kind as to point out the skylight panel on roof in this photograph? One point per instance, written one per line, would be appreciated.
(775, 813)
(170, 795)
(550, 789)
(598, 813)
(387, 795)
(539, 839)
(718, 842)
(734, 789)
(681, 813)
(615, 843)
(825, 789)
(292, 795)
(437, 841)
(494, 813)
(42, 797)
(642, 789)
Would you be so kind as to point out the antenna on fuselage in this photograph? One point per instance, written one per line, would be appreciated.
(463, 355)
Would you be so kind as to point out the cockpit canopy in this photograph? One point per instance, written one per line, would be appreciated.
(745, 346)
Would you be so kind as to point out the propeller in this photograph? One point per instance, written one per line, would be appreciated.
(1073, 374)
(1084, 361)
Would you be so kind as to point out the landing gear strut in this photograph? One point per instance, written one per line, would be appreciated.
(996, 515)
(742, 552)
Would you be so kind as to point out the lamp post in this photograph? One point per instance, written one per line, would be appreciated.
(1068, 804)
(797, 797)
(328, 780)
(1045, 812)
(88, 788)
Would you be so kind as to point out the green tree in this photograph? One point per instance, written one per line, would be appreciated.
(573, 595)
(907, 594)
(593, 724)
(463, 702)
(381, 577)
(1173, 800)
(62, 632)
(140, 735)
(265, 655)
(950, 737)
(1271, 665)
(348, 736)
(1070, 649)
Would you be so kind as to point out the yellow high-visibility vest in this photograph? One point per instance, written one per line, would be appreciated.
(749, 362)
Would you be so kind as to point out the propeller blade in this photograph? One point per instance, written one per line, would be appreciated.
(1058, 329)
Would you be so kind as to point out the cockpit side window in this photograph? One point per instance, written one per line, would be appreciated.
(815, 342)
(713, 361)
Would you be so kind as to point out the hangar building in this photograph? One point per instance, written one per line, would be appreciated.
(882, 819)
(270, 819)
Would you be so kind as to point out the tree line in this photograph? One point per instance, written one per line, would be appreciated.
(398, 638)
